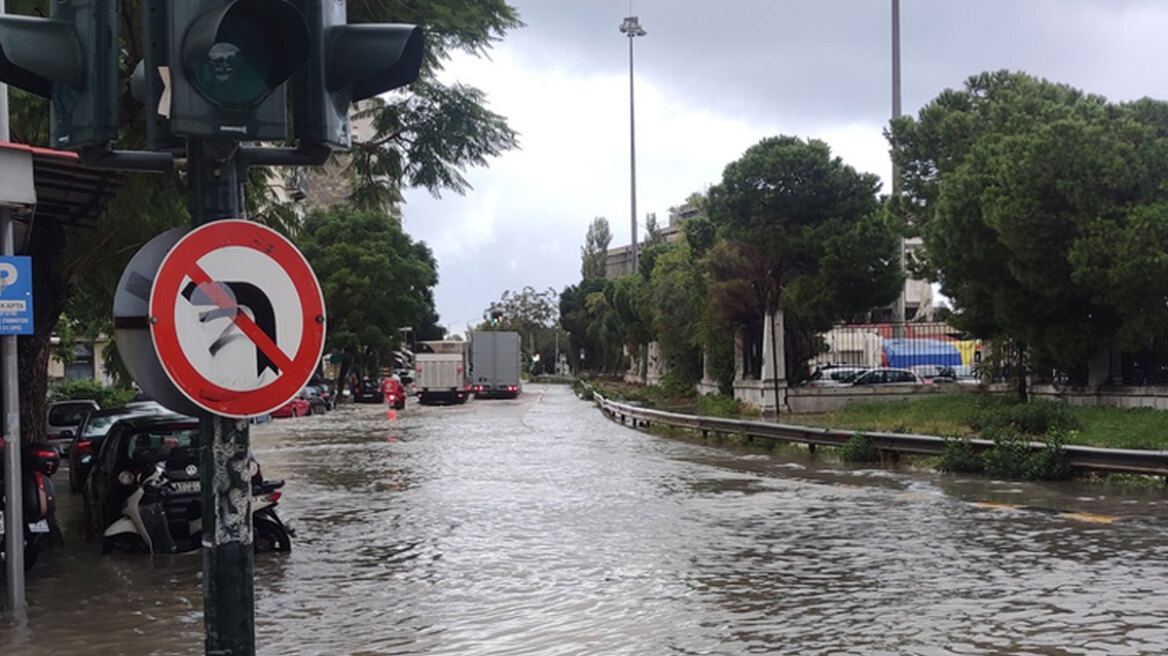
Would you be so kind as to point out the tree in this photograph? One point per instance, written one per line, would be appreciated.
(677, 291)
(375, 280)
(654, 235)
(425, 137)
(1043, 212)
(810, 230)
(594, 252)
(525, 312)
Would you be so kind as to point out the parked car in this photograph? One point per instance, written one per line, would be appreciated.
(92, 432)
(62, 420)
(834, 375)
(316, 403)
(965, 375)
(887, 376)
(325, 391)
(133, 444)
(935, 373)
(369, 391)
(297, 406)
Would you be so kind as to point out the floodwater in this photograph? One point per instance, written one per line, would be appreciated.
(536, 526)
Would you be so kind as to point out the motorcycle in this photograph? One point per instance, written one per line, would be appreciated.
(38, 463)
(168, 519)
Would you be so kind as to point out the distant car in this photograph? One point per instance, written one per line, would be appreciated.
(887, 376)
(934, 373)
(834, 376)
(297, 406)
(316, 403)
(965, 375)
(62, 420)
(369, 391)
(325, 391)
(92, 432)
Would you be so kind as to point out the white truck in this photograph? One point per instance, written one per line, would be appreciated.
(442, 372)
(495, 363)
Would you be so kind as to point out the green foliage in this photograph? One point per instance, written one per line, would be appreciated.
(1012, 457)
(594, 252)
(859, 448)
(87, 388)
(807, 236)
(960, 457)
(1043, 212)
(375, 280)
(676, 291)
(1038, 417)
(719, 405)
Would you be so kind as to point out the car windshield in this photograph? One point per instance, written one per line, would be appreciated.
(99, 425)
(68, 415)
(161, 442)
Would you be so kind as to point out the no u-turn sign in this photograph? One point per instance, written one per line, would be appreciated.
(237, 318)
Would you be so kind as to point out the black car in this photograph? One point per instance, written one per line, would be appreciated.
(325, 391)
(316, 403)
(90, 434)
(131, 447)
(369, 391)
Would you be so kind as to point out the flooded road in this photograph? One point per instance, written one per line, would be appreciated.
(536, 526)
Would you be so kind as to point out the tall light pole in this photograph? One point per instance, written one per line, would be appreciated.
(631, 27)
(898, 327)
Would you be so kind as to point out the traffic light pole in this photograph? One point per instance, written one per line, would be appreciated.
(216, 174)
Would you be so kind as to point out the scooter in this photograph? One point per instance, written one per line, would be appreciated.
(144, 515)
(39, 462)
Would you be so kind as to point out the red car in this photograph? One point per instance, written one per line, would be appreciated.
(395, 393)
(296, 407)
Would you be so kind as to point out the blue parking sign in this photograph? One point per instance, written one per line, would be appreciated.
(16, 295)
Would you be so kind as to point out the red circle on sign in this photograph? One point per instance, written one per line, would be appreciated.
(181, 265)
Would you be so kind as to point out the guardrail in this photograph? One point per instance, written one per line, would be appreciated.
(1130, 461)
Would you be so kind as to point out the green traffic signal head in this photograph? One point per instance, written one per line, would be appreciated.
(72, 59)
(36, 54)
(235, 54)
(347, 63)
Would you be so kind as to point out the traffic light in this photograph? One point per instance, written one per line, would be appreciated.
(347, 63)
(228, 63)
(151, 77)
(70, 58)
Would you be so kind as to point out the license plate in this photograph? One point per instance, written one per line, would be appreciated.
(36, 527)
(185, 487)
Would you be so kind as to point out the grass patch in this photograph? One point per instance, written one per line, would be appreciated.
(859, 448)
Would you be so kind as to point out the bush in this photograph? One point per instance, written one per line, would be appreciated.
(859, 448)
(1008, 456)
(1039, 417)
(960, 458)
(717, 405)
(1049, 464)
(85, 388)
(1012, 457)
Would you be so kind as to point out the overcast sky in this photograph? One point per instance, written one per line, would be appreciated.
(712, 79)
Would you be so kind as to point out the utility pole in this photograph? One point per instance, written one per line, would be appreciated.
(14, 512)
(898, 311)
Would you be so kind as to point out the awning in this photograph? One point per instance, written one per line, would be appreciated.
(65, 190)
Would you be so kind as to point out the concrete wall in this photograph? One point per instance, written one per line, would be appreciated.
(812, 400)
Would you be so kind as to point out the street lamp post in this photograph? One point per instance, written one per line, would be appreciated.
(631, 26)
(898, 310)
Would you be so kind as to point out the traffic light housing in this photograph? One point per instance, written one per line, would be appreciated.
(70, 58)
(347, 63)
(228, 63)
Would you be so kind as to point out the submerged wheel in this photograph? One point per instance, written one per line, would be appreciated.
(269, 535)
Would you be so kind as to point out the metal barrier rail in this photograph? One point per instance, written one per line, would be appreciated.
(1130, 461)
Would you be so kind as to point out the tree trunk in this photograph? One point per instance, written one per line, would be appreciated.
(50, 294)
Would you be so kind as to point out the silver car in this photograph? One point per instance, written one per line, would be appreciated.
(62, 420)
(888, 376)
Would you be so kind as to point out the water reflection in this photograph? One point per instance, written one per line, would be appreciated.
(535, 526)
